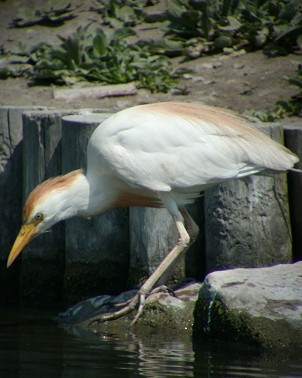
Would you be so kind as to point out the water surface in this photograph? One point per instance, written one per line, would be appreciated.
(33, 345)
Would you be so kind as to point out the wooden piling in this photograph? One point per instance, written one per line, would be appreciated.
(152, 236)
(10, 197)
(96, 249)
(247, 221)
(293, 140)
(43, 259)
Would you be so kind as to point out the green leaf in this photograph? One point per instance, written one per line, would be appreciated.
(122, 33)
(233, 25)
(295, 81)
(99, 43)
(273, 49)
(299, 41)
(289, 32)
(125, 13)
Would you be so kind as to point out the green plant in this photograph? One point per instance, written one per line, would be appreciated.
(189, 19)
(293, 107)
(52, 13)
(273, 25)
(268, 115)
(96, 56)
(123, 12)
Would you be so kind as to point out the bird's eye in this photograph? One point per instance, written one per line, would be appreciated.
(38, 217)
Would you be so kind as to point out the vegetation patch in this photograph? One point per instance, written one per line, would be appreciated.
(274, 26)
(53, 13)
(292, 107)
(99, 57)
(117, 13)
(109, 51)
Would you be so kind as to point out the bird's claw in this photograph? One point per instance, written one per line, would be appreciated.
(139, 300)
(127, 307)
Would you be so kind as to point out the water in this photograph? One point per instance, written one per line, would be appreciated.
(33, 345)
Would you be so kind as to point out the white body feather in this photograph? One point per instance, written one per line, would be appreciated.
(178, 148)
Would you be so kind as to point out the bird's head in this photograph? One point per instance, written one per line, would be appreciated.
(49, 203)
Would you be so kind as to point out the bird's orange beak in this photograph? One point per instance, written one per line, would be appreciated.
(25, 235)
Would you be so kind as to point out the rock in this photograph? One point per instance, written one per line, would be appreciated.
(163, 310)
(260, 306)
(247, 222)
(174, 311)
(223, 41)
(195, 47)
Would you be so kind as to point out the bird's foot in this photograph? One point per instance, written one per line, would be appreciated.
(142, 301)
(138, 301)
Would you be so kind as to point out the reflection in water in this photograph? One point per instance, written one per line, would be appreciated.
(32, 345)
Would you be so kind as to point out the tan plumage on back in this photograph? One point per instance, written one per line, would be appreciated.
(180, 147)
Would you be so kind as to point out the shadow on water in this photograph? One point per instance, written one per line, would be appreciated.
(32, 344)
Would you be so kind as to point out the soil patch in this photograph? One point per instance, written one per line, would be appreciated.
(240, 81)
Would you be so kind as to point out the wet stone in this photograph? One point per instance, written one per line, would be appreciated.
(259, 306)
(164, 310)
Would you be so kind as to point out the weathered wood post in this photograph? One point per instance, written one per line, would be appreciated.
(43, 258)
(10, 197)
(293, 140)
(96, 249)
(247, 221)
(152, 236)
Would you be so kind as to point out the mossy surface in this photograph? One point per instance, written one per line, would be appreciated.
(162, 311)
(215, 321)
(157, 314)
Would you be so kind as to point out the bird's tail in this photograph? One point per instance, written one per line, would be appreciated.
(296, 170)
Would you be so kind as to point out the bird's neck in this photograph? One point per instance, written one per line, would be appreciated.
(83, 198)
(76, 196)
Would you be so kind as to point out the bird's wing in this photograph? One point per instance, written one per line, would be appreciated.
(181, 146)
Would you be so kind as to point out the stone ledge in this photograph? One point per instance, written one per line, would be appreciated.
(163, 310)
(259, 306)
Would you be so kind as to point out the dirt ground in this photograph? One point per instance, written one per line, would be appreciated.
(238, 81)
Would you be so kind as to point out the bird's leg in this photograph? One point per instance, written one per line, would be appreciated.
(193, 231)
(163, 271)
(192, 228)
(130, 306)
(161, 274)
(158, 289)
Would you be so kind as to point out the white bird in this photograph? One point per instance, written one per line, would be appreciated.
(155, 155)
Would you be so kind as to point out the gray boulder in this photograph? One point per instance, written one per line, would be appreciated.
(259, 306)
(164, 310)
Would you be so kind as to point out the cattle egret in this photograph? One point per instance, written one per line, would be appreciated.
(155, 155)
